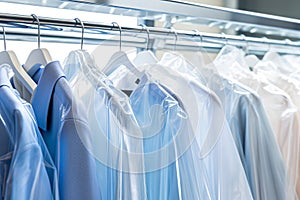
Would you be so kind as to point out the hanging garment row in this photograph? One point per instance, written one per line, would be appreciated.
(149, 128)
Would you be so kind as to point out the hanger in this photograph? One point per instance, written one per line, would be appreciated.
(39, 55)
(199, 59)
(270, 61)
(231, 54)
(120, 58)
(82, 57)
(81, 51)
(10, 58)
(89, 69)
(77, 20)
(251, 60)
(229, 58)
(200, 36)
(293, 60)
(145, 57)
(176, 38)
(86, 60)
(174, 47)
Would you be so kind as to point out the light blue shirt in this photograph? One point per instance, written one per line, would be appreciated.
(254, 138)
(156, 112)
(175, 150)
(26, 169)
(116, 136)
(250, 128)
(192, 115)
(63, 125)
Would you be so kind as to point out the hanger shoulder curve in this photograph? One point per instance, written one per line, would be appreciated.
(10, 58)
(37, 56)
(145, 57)
(114, 62)
(118, 59)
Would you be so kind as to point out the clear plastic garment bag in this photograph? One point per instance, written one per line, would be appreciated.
(116, 137)
(259, 106)
(239, 109)
(289, 139)
(26, 168)
(189, 122)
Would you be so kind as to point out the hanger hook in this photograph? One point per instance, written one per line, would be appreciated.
(266, 40)
(176, 37)
(4, 38)
(225, 38)
(200, 35)
(246, 42)
(120, 29)
(77, 20)
(287, 42)
(35, 18)
(148, 35)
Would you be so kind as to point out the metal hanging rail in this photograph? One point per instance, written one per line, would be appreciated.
(184, 12)
(198, 13)
(189, 9)
(206, 40)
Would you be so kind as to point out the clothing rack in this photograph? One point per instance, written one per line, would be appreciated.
(51, 29)
(191, 12)
(179, 11)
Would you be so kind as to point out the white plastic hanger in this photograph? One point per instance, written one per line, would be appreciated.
(10, 58)
(231, 59)
(88, 67)
(267, 63)
(39, 55)
(120, 58)
(250, 60)
(145, 57)
(197, 58)
(87, 62)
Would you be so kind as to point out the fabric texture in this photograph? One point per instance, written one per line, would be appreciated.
(116, 136)
(190, 117)
(26, 169)
(251, 127)
(289, 135)
(63, 125)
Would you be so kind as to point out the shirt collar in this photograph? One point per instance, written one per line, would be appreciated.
(35, 72)
(4, 76)
(44, 91)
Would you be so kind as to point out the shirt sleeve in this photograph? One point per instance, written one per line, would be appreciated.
(28, 178)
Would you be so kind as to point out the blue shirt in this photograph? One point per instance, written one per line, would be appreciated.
(116, 136)
(156, 112)
(210, 168)
(26, 169)
(176, 162)
(255, 140)
(250, 128)
(65, 131)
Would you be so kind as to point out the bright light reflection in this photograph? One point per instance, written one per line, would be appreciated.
(58, 51)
